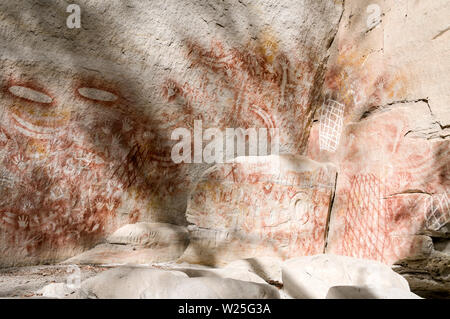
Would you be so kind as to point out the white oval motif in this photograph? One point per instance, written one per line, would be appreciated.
(96, 94)
(30, 94)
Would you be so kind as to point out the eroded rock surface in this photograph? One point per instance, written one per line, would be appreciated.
(384, 122)
(268, 268)
(260, 206)
(86, 123)
(149, 235)
(355, 292)
(56, 290)
(87, 114)
(311, 277)
(140, 243)
(428, 277)
(145, 283)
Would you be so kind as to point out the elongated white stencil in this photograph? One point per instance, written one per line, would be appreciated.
(331, 123)
(437, 213)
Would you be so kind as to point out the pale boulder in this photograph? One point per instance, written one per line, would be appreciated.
(196, 270)
(146, 283)
(358, 292)
(212, 288)
(225, 273)
(268, 268)
(125, 255)
(150, 235)
(127, 282)
(56, 290)
(139, 243)
(311, 277)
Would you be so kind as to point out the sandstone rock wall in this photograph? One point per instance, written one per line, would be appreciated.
(86, 117)
(87, 114)
(261, 206)
(385, 121)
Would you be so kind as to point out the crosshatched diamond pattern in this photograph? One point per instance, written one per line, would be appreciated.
(331, 123)
(366, 232)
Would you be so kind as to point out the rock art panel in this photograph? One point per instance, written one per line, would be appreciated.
(391, 188)
(86, 120)
(392, 154)
(74, 166)
(260, 206)
(255, 89)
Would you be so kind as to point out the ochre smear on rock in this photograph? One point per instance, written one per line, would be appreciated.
(253, 87)
(247, 208)
(77, 164)
(387, 175)
(68, 166)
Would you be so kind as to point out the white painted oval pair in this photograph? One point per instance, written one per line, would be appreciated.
(36, 96)
(96, 94)
(30, 94)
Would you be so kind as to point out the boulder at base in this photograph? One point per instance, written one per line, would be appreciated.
(356, 292)
(146, 283)
(311, 277)
(140, 243)
(268, 268)
(228, 272)
(56, 290)
(150, 235)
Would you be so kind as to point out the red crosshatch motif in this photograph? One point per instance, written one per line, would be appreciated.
(366, 232)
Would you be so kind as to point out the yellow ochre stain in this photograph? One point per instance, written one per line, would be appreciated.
(269, 46)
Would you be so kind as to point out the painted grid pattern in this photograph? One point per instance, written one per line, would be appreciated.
(366, 228)
(331, 123)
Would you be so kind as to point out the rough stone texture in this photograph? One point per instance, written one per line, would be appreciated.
(85, 125)
(25, 282)
(237, 273)
(259, 206)
(126, 282)
(311, 277)
(268, 268)
(150, 235)
(355, 292)
(384, 122)
(212, 288)
(87, 114)
(383, 195)
(126, 254)
(427, 277)
(231, 273)
(56, 290)
(140, 243)
(145, 283)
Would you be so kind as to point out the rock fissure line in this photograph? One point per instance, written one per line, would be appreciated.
(380, 108)
(330, 211)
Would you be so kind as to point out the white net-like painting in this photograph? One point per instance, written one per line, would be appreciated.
(331, 123)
